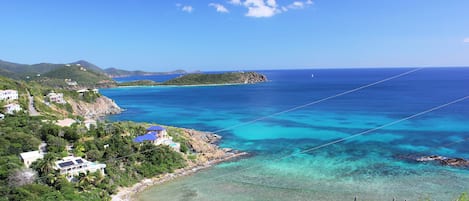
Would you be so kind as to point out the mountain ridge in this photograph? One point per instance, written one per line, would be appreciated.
(23, 71)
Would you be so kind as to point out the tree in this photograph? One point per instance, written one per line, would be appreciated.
(46, 165)
(85, 181)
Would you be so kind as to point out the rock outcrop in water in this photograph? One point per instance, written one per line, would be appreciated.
(454, 162)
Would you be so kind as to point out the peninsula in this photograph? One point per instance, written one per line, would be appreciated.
(222, 78)
(204, 79)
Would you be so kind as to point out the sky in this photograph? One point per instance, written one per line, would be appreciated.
(163, 35)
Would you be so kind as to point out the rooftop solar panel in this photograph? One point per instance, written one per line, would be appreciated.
(65, 164)
(79, 161)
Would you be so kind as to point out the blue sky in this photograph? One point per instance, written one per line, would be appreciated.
(159, 35)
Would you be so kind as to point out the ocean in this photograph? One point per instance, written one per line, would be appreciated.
(373, 166)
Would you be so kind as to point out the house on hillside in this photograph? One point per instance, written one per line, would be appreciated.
(31, 156)
(12, 108)
(8, 95)
(72, 166)
(2, 116)
(56, 98)
(70, 82)
(82, 91)
(157, 135)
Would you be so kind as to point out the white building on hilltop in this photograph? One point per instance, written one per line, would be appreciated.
(8, 94)
(56, 98)
(12, 108)
(73, 166)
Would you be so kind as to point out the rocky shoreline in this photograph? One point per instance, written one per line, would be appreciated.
(127, 193)
(201, 144)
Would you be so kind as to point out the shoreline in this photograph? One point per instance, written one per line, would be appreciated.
(127, 193)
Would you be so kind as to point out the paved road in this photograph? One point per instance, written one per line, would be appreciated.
(32, 110)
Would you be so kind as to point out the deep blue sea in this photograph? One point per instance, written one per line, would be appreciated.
(369, 167)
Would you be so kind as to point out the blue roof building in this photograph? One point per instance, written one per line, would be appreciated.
(155, 128)
(146, 137)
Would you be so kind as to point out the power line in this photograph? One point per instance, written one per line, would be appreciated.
(349, 137)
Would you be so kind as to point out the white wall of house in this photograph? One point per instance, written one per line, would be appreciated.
(71, 167)
(8, 94)
(56, 98)
(12, 108)
(29, 157)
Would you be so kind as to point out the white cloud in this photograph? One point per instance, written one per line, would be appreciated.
(269, 8)
(235, 2)
(296, 5)
(260, 8)
(466, 40)
(188, 9)
(220, 8)
(185, 8)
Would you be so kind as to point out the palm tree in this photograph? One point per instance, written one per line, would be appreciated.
(46, 165)
(85, 181)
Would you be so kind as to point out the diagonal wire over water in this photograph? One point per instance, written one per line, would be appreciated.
(319, 101)
(347, 138)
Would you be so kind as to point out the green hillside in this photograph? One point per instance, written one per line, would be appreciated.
(79, 74)
(22, 71)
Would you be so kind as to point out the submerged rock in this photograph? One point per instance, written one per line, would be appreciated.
(455, 162)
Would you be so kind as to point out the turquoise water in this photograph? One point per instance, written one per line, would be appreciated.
(371, 167)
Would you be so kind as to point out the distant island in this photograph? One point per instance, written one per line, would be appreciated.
(205, 79)
(222, 78)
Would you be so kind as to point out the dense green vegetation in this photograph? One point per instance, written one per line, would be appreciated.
(110, 143)
(127, 162)
(223, 78)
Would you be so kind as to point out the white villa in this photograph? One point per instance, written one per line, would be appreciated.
(8, 94)
(12, 108)
(2, 116)
(56, 98)
(72, 166)
(31, 156)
